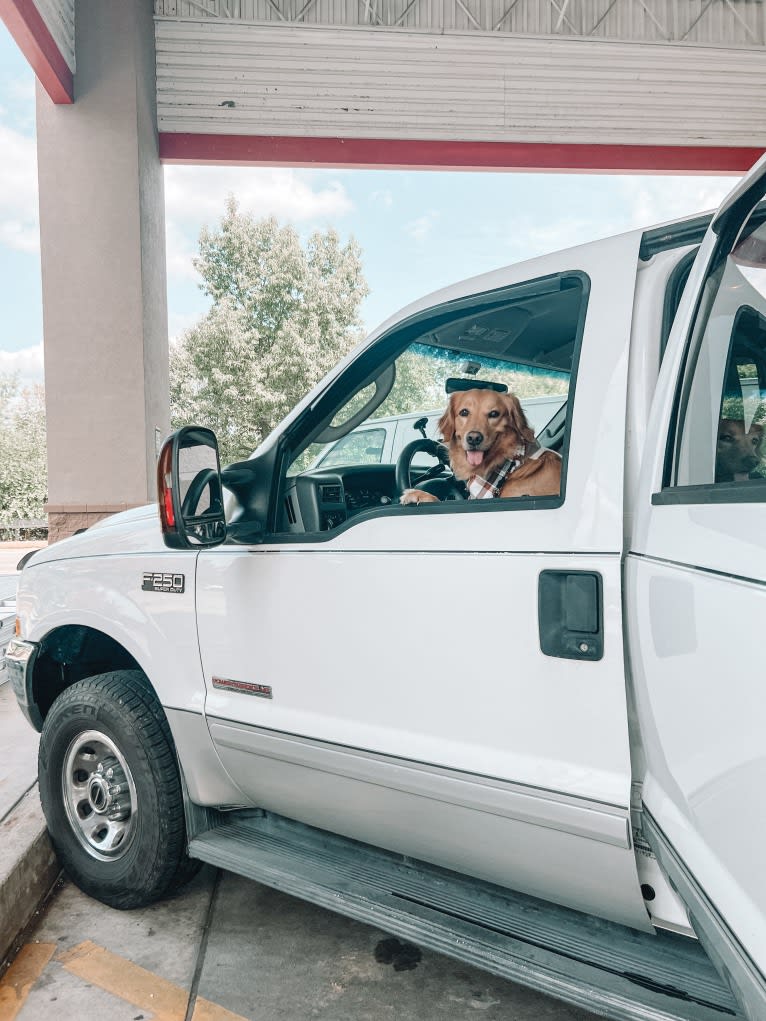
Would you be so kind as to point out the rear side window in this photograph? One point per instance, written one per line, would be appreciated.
(363, 447)
(720, 449)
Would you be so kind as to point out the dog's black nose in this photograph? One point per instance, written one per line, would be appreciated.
(473, 439)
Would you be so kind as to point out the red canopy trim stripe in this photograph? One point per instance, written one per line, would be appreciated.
(302, 151)
(25, 23)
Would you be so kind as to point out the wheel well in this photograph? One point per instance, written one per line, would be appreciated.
(70, 653)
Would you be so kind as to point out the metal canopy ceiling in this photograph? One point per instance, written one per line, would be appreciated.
(701, 22)
(524, 84)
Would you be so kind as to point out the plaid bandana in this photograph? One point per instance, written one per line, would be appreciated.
(486, 489)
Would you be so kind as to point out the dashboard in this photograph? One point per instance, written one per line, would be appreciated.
(317, 501)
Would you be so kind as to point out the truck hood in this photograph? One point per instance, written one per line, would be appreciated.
(132, 531)
(126, 517)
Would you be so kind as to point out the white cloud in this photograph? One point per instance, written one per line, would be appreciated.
(19, 103)
(196, 196)
(382, 197)
(22, 90)
(199, 193)
(24, 237)
(179, 253)
(420, 228)
(628, 203)
(18, 191)
(654, 200)
(28, 363)
(180, 322)
(563, 233)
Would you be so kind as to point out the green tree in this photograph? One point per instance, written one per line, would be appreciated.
(283, 314)
(23, 461)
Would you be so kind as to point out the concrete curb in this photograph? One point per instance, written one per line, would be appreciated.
(28, 868)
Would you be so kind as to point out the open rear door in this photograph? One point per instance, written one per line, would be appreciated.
(696, 595)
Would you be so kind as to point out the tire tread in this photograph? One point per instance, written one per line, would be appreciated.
(128, 696)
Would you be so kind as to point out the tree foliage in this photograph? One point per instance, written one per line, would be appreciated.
(283, 314)
(23, 463)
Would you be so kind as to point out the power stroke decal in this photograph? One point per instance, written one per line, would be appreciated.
(156, 582)
(243, 687)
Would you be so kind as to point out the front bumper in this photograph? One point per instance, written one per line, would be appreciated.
(19, 662)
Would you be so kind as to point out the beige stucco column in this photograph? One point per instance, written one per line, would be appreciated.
(102, 233)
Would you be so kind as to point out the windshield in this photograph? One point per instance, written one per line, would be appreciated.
(419, 391)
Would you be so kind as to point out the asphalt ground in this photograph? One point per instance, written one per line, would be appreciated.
(229, 949)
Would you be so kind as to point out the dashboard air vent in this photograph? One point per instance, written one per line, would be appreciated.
(331, 494)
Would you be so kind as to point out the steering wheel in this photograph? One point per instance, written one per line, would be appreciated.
(197, 487)
(446, 487)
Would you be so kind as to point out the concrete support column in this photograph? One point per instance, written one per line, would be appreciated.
(102, 233)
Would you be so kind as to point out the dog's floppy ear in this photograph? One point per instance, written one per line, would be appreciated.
(518, 419)
(447, 421)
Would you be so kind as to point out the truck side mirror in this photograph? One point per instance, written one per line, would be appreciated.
(190, 490)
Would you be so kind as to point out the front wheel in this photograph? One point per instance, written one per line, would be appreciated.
(111, 792)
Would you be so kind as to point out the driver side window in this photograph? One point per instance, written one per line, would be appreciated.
(474, 408)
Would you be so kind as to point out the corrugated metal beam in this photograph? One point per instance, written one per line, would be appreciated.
(741, 20)
(662, 30)
(468, 13)
(701, 22)
(507, 13)
(58, 15)
(561, 15)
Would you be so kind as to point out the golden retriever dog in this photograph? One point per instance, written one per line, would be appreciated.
(486, 433)
(737, 452)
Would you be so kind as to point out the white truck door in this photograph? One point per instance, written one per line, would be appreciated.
(696, 588)
(409, 700)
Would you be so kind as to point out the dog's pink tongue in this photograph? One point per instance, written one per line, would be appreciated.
(475, 457)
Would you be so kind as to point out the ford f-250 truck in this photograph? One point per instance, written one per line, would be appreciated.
(529, 732)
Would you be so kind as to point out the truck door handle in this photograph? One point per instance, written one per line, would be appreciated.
(570, 614)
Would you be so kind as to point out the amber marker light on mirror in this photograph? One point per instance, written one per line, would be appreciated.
(17, 628)
(169, 505)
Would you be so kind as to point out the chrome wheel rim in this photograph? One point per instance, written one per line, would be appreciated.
(99, 795)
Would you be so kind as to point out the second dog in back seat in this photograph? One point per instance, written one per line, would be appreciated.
(737, 451)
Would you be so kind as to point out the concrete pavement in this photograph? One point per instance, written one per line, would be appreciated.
(28, 867)
(229, 949)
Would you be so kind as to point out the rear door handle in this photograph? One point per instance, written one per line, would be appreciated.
(570, 614)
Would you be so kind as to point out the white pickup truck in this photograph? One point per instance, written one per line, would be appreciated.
(526, 732)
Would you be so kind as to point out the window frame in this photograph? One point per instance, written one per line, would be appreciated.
(728, 230)
(389, 347)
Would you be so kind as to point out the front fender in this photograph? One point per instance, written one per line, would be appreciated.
(156, 626)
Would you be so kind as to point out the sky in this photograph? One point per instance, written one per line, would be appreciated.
(418, 230)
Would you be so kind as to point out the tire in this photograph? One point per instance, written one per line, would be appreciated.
(111, 792)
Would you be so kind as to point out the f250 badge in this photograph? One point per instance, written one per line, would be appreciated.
(155, 582)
